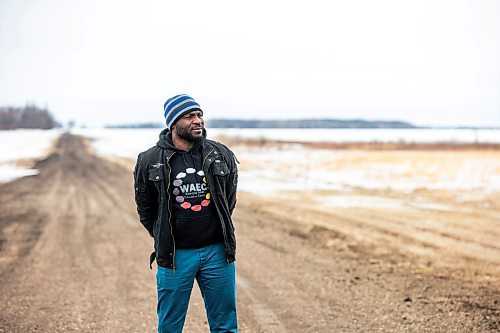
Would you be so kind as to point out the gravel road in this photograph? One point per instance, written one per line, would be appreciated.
(74, 258)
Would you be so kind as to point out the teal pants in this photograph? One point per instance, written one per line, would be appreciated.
(216, 279)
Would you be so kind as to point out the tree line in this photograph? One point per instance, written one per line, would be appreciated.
(306, 123)
(284, 123)
(29, 116)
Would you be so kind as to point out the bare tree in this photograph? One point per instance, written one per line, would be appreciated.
(28, 117)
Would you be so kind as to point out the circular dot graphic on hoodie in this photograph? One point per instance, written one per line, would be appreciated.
(181, 199)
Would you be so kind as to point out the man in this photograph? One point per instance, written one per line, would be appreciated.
(185, 191)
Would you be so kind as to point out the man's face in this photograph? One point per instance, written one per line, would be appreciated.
(190, 126)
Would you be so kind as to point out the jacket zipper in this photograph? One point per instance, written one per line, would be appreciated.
(217, 208)
(169, 211)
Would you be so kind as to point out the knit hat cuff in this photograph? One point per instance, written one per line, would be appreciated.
(177, 106)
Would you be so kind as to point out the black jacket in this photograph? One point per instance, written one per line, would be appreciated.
(154, 202)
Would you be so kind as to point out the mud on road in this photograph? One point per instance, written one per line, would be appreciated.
(74, 258)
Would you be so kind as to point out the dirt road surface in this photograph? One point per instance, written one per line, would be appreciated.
(74, 258)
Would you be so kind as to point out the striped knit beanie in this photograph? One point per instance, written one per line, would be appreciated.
(177, 106)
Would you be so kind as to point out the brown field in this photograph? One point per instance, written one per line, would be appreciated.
(409, 242)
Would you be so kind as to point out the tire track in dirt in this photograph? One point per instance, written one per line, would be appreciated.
(352, 286)
(403, 232)
(426, 237)
(84, 272)
(263, 316)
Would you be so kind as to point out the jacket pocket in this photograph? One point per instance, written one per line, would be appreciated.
(156, 174)
(220, 168)
(140, 195)
(139, 188)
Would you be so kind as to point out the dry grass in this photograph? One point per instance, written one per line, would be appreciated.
(374, 145)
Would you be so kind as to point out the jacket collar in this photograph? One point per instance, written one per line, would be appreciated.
(165, 142)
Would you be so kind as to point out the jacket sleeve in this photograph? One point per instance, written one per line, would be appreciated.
(146, 196)
(232, 182)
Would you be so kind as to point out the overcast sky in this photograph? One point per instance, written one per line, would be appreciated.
(106, 62)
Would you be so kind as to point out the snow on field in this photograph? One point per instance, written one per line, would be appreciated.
(302, 169)
(134, 140)
(275, 171)
(362, 135)
(130, 142)
(9, 172)
(120, 142)
(23, 144)
(292, 168)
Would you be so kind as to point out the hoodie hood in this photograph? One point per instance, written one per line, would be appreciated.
(166, 142)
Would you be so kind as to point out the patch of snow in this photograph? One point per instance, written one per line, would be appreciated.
(355, 201)
(26, 144)
(9, 173)
(126, 143)
(23, 144)
(432, 206)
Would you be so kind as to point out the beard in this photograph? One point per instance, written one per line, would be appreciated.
(185, 134)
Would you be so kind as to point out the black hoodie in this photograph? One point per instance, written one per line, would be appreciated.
(195, 219)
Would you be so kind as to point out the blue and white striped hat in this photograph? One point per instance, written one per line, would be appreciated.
(175, 107)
